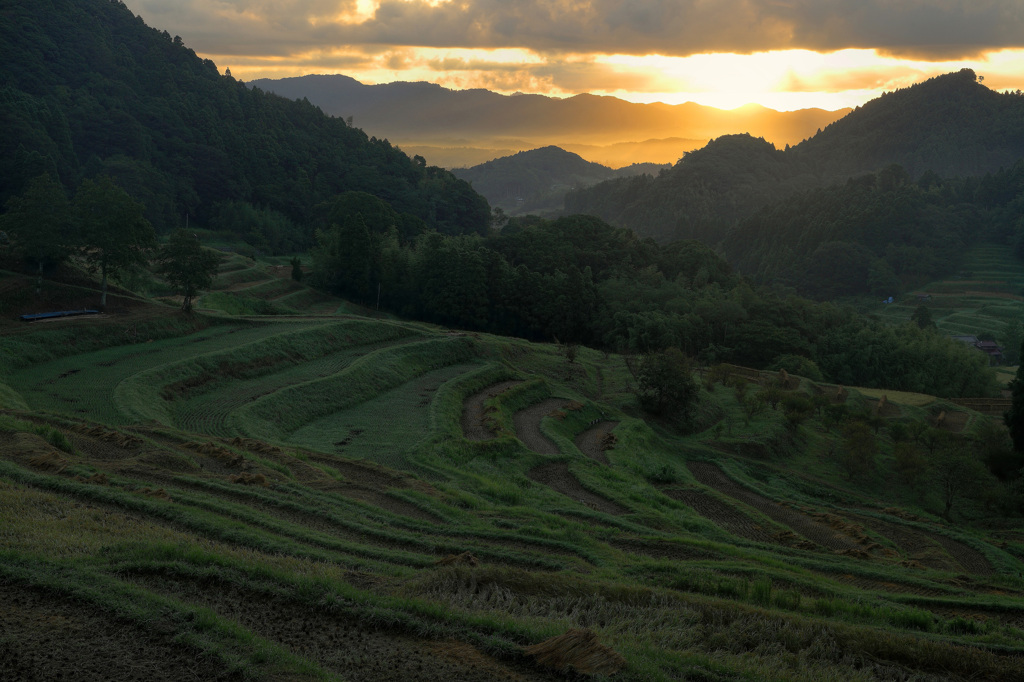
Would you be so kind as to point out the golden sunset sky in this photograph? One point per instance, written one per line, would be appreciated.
(784, 54)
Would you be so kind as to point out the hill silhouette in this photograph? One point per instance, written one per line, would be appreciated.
(418, 114)
(88, 89)
(536, 181)
(950, 125)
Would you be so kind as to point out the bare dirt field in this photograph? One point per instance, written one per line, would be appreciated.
(527, 424)
(473, 415)
(594, 440)
(558, 477)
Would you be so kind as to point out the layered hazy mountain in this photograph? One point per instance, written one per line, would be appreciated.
(455, 128)
(537, 180)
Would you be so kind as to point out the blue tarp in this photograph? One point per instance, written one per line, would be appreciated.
(60, 313)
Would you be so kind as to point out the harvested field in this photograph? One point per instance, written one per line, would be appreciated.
(50, 637)
(916, 545)
(474, 413)
(973, 561)
(558, 477)
(345, 644)
(594, 441)
(722, 515)
(663, 549)
(527, 424)
(710, 475)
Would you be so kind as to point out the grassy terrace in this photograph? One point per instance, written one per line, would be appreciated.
(296, 497)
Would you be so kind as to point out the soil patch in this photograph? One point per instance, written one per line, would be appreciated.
(724, 516)
(47, 637)
(818, 533)
(527, 424)
(594, 441)
(474, 412)
(558, 477)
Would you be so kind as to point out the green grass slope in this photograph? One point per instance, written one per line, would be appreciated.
(362, 499)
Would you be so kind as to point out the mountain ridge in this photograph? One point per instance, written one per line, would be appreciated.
(420, 113)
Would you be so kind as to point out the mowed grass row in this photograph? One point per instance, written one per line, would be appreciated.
(385, 428)
(276, 417)
(69, 384)
(156, 393)
(213, 412)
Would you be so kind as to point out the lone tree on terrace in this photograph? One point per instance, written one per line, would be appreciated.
(115, 233)
(187, 266)
(39, 224)
(666, 382)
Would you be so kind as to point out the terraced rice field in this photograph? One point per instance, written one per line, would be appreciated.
(983, 299)
(365, 499)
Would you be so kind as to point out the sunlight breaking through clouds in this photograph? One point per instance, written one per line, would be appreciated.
(784, 54)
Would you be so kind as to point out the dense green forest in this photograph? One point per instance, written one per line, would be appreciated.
(89, 90)
(949, 126)
(878, 234)
(581, 281)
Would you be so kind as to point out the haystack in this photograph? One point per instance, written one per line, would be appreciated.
(578, 650)
(464, 559)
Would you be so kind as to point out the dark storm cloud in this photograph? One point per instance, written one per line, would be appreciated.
(930, 29)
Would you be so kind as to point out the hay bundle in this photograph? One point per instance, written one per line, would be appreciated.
(159, 493)
(464, 559)
(253, 445)
(578, 650)
(98, 479)
(49, 461)
(249, 479)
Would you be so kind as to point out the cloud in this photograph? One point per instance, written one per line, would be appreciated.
(924, 29)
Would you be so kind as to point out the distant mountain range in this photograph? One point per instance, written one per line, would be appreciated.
(465, 127)
(536, 181)
(949, 126)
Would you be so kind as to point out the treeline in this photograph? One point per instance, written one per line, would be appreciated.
(949, 126)
(88, 90)
(579, 280)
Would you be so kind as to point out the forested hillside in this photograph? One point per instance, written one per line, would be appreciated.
(948, 126)
(87, 89)
(881, 234)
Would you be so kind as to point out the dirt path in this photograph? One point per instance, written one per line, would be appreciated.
(818, 533)
(558, 477)
(527, 423)
(722, 515)
(592, 441)
(473, 411)
(46, 637)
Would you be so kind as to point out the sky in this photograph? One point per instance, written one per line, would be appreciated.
(784, 54)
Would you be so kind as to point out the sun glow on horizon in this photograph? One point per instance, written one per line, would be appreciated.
(783, 80)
